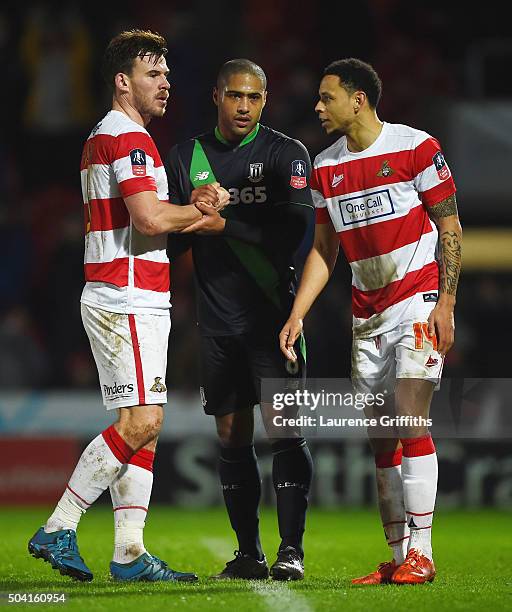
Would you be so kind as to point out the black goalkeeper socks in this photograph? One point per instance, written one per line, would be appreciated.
(292, 471)
(241, 487)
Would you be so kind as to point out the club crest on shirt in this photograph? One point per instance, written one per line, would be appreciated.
(386, 170)
(442, 169)
(255, 172)
(298, 178)
(158, 387)
(138, 159)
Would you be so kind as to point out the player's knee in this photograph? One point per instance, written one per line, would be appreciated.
(146, 426)
(283, 445)
(152, 426)
(227, 437)
(230, 436)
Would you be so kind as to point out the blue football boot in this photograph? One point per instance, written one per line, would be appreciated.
(148, 568)
(61, 551)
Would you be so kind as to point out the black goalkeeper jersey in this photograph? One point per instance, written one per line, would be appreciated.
(242, 286)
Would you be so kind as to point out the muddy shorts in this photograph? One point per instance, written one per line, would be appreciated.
(130, 351)
(406, 351)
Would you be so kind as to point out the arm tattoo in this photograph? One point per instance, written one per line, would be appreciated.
(451, 246)
(445, 208)
(451, 250)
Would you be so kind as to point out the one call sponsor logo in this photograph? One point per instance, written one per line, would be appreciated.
(138, 159)
(366, 207)
(443, 171)
(298, 178)
(117, 390)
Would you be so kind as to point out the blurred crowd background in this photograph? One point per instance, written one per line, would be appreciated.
(440, 72)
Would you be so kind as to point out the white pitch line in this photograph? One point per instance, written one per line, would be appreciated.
(220, 547)
(279, 596)
(276, 595)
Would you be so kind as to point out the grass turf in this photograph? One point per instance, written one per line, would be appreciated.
(473, 559)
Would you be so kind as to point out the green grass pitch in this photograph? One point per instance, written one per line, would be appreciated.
(473, 558)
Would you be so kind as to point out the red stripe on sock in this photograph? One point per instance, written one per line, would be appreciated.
(420, 528)
(76, 495)
(394, 523)
(143, 458)
(389, 459)
(138, 362)
(122, 452)
(419, 514)
(130, 508)
(417, 447)
(397, 541)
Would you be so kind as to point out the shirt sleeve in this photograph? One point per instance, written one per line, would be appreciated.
(432, 177)
(172, 166)
(321, 212)
(136, 160)
(294, 171)
(177, 244)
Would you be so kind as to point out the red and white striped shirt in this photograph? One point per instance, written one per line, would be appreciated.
(125, 271)
(377, 202)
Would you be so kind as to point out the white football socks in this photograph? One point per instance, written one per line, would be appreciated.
(391, 503)
(97, 467)
(66, 515)
(128, 541)
(419, 475)
(131, 492)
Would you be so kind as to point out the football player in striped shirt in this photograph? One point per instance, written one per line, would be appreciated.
(385, 193)
(125, 311)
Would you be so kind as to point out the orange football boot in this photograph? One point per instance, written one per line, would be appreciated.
(383, 574)
(416, 569)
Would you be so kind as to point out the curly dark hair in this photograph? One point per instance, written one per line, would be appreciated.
(354, 75)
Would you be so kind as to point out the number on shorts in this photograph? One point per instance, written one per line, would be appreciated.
(421, 331)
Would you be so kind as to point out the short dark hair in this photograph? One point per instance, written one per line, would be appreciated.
(241, 66)
(124, 48)
(357, 75)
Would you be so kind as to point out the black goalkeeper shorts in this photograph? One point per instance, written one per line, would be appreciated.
(233, 367)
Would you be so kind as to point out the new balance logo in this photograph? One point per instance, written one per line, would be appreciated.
(431, 362)
(202, 176)
(336, 179)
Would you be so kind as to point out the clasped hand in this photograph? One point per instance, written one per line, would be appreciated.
(209, 200)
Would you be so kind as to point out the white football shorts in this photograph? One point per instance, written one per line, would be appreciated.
(406, 351)
(130, 351)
